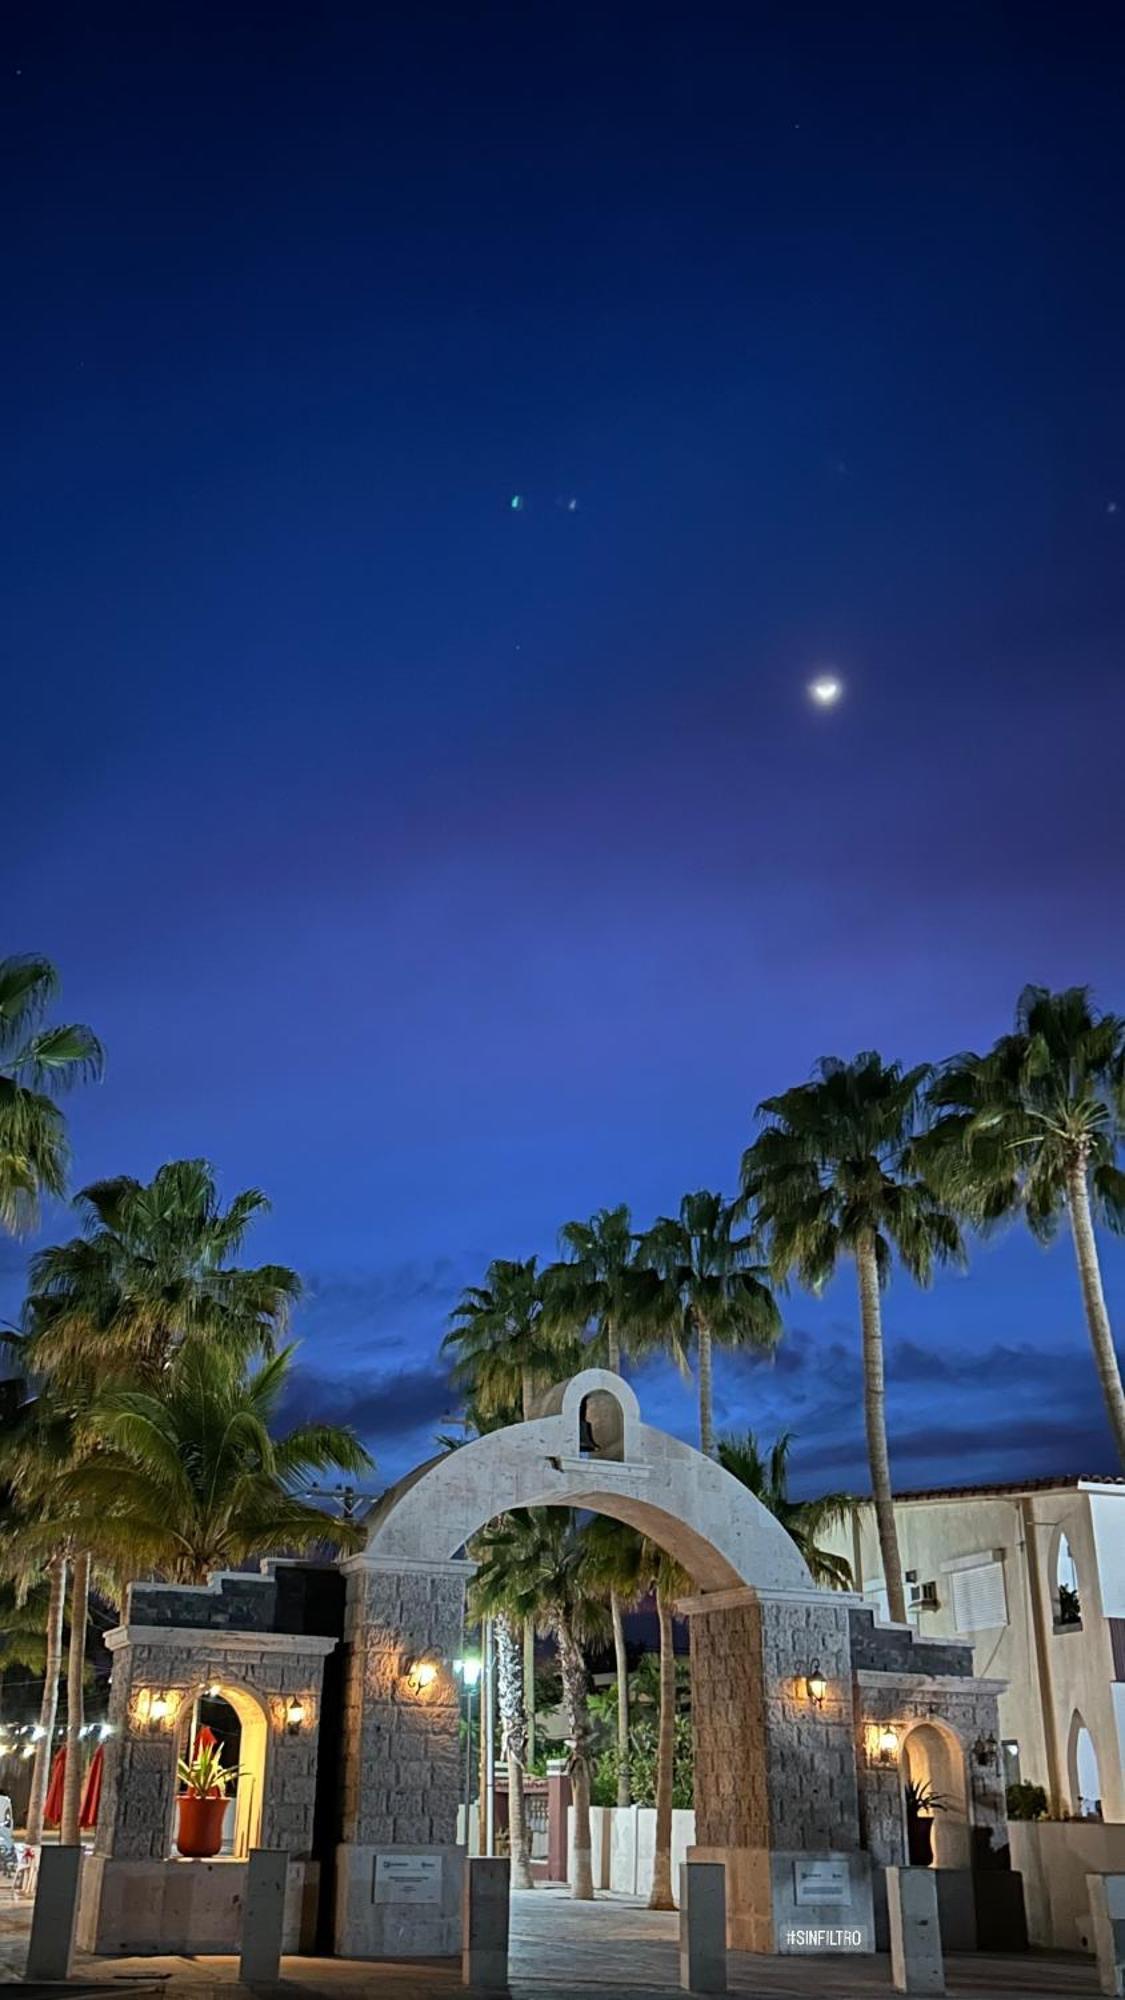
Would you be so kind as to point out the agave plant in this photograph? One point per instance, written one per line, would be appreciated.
(922, 1800)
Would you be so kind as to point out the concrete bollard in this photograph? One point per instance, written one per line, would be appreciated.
(263, 1916)
(703, 1927)
(54, 1914)
(484, 1924)
(912, 1911)
(1107, 1917)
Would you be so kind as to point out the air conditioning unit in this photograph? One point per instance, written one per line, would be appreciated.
(923, 1596)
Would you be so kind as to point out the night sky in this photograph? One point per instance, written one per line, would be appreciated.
(450, 868)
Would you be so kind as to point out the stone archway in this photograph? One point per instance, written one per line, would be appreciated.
(775, 1765)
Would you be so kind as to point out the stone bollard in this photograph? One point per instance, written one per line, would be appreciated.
(912, 1911)
(1107, 1916)
(54, 1914)
(263, 1916)
(703, 1927)
(484, 1924)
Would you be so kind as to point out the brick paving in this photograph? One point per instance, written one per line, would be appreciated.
(614, 1948)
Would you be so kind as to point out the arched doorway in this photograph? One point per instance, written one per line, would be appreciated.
(771, 1668)
(933, 1763)
(238, 1722)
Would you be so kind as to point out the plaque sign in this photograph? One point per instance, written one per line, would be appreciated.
(406, 1878)
(821, 1882)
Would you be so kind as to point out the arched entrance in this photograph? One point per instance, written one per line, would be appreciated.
(775, 1774)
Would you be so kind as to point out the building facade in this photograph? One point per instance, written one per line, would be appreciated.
(1033, 1577)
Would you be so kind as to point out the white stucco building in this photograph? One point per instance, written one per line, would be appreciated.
(1034, 1576)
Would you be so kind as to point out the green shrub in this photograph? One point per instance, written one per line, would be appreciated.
(1026, 1801)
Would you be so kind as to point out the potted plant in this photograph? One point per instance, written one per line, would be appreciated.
(922, 1802)
(203, 1799)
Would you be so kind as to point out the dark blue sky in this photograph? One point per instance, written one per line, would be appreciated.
(448, 869)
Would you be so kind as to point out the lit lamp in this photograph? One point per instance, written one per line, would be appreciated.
(815, 1684)
(467, 1671)
(422, 1674)
(294, 1714)
(888, 1745)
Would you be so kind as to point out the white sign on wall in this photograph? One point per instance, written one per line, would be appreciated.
(406, 1878)
(821, 1882)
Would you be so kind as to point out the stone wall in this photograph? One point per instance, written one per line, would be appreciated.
(966, 1709)
(773, 1768)
(401, 1774)
(135, 1818)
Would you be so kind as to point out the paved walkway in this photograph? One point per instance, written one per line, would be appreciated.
(561, 1950)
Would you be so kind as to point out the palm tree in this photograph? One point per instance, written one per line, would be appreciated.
(190, 1478)
(601, 1290)
(1036, 1125)
(533, 1564)
(506, 1353)
(721, 1292)
(833, 1174)
(36, 1063)
(670, 1582)
(620, 1566)
(766, 1476)
(153, 1270)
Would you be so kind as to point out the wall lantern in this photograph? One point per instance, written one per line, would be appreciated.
(421, 1674)
(881, 1741)
(294, 1714)
(155, 1705)
(815, 1684)
(984, 1751)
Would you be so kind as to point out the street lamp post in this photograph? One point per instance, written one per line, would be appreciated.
(468, 1673)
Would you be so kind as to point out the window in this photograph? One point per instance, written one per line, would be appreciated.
(976, 1585)
(1068, 1603)
(1010, 1757)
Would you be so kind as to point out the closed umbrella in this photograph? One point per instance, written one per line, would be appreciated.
(92, 1790)
(52, 1805)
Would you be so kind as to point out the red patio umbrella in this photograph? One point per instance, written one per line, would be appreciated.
(92, 1789)
(52, 1807)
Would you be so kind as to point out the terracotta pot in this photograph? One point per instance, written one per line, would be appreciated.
(920, 1841)
(199, 1833)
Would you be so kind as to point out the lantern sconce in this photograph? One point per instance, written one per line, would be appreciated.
(294, 1714)
(984, 1752)
(816, 1687)
(421, 1673)
(155, 1705)
(882, 1743)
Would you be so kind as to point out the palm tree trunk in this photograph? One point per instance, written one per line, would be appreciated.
(662, 1897)
(573, 1668)
(1093, 1298)
(49, 1705)
(529, 1685)
(612, 1351)
(527, 1393)
(621, 1660)
(875, 1418)
(513, 1736)
(75, 1699)
(706, 1393)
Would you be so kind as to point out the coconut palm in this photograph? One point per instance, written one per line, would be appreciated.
(721, 1292)
(832, 1174)
(619, 1565)
(534, 1564)
(766, 1475)
(38, 1443)
(36, 1064)
(191, 1478)
(1035, 1126)
(506, 1352)
(153, 1270)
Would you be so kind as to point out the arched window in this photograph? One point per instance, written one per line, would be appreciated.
(1085, 1778)
(1067, 1602)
